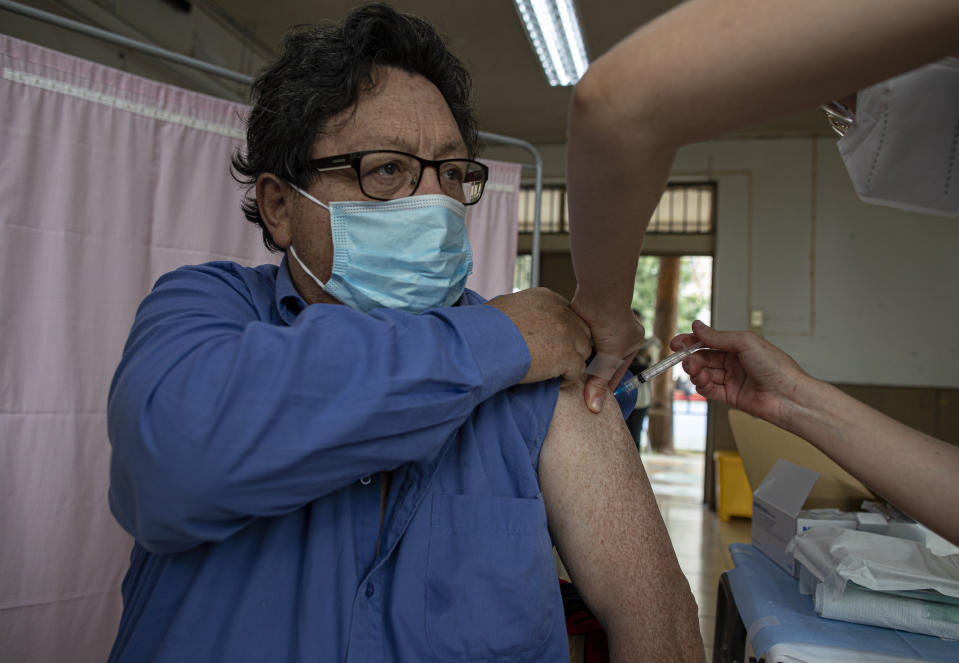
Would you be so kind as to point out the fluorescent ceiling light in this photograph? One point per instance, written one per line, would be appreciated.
(555, 35)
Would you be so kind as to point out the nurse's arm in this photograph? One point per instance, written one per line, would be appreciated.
(703, 69)
(607, 527)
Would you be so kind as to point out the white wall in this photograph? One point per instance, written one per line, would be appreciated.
(856, 293)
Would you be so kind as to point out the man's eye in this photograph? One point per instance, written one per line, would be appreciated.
(453, 173)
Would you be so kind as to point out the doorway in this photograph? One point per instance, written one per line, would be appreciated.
(669, 293)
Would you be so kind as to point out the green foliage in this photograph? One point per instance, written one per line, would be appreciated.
(644, 290)
(694, 291)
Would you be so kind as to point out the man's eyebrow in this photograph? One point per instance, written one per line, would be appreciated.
(454, 147)
(450, 149)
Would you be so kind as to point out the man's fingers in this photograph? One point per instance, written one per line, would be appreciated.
(615, 380)
(595, 393)
(558, 340)
(604, 366)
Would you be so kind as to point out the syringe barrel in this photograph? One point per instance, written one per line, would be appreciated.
(670, 361)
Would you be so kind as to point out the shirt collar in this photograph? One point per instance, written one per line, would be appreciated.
(289, 303)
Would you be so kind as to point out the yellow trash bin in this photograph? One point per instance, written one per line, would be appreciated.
(734, 496)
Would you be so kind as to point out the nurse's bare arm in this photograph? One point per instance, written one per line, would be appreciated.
(910, 469)
(700, 70)
(607, 527)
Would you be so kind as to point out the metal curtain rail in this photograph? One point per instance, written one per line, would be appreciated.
(238, 77)
(114, 38)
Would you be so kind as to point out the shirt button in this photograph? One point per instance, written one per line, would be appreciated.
(369, 589)
(367, 480)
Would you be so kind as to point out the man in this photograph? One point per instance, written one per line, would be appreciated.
(349, 458)
(646, 356)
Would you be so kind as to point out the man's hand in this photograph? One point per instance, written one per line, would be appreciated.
(617, 334)
(557, 339)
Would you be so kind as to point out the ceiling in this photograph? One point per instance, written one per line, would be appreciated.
(510, 90)
(511, 94)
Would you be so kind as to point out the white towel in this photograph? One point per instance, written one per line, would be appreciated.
(873, 561)
(881, 609)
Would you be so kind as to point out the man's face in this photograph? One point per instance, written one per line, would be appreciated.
(402, 112)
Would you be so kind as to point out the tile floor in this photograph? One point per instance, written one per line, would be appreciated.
(701, 540)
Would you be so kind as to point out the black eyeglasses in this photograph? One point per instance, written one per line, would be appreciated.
(388, 174)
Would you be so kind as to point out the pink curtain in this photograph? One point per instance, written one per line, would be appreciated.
(491, 224)
(107, 180)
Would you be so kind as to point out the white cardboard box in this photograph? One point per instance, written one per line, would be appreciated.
(776, 505)
(781, 493)
(778, 514)
(807, 519)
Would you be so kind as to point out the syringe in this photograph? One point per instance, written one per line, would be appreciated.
(657, 368)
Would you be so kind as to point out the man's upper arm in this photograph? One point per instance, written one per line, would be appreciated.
(606, 524)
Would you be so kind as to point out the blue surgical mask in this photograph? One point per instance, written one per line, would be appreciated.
(410, 254)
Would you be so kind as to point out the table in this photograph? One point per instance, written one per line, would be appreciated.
(759, 604)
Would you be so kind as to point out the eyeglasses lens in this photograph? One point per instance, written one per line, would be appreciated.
(389, 175)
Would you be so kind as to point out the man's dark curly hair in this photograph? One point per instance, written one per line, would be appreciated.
(321, 72)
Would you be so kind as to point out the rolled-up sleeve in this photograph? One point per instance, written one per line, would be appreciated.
(219, 414)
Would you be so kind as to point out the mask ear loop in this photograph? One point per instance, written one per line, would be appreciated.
(308, 196)
(306, 269)
(293, 251)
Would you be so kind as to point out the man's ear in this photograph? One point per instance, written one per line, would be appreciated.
(274, 197)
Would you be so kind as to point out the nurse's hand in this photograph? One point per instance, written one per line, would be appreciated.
(558, 340)
(744, 370)
(615, 333)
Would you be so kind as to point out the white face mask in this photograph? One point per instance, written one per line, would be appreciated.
(903, 148)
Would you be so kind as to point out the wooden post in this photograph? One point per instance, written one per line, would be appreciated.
(664, 328)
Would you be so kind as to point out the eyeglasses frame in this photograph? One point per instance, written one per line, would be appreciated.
(353, 159)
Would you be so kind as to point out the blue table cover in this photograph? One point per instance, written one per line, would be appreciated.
(775, 613)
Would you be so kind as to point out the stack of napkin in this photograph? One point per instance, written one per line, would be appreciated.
(881, 580)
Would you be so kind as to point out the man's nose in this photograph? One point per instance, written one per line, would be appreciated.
(429, 182)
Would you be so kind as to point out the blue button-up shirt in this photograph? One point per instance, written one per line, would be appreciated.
(249, 431)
